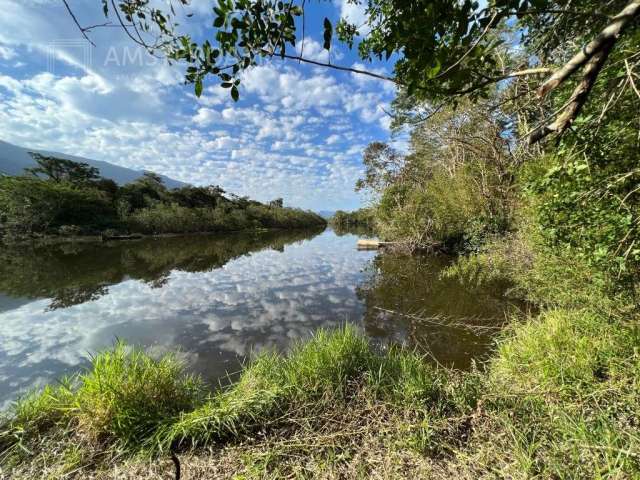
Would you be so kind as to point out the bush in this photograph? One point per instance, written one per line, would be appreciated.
(30, 205)
(590, 204)
(363, 217)
(172, 218)
(447, 210)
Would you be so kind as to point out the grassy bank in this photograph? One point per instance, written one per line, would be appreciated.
(559, 399)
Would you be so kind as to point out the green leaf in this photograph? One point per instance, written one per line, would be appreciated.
(198, 87)
(234, 93)
(434, 70)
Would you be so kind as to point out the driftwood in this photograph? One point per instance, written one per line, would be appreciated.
(365, 244)
(109, 238)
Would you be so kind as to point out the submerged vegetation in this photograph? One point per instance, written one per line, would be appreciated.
(67, 198)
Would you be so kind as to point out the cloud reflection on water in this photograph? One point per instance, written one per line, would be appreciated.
(215, 318)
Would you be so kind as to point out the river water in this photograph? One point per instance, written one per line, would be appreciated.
(219, 298)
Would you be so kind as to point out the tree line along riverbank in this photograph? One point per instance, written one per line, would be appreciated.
(66, 199)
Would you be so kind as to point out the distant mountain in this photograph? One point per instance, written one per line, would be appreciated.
(326, 213)
(14, 159)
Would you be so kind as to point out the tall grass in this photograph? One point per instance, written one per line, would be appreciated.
(122, 400)
(134, 403)
(564, 398)
(319, 374)
(560, 399)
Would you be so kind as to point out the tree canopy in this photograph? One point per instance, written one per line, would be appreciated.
(62, 170)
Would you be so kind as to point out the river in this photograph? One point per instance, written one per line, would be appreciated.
(217, 299)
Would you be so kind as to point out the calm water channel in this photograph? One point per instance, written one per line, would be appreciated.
(217, 299)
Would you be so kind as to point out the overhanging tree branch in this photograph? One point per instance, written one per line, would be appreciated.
(603, 40)
(82, 30)
(578, 97)
(593, 57)
(335, 67)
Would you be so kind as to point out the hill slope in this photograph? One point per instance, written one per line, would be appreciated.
(14, 159)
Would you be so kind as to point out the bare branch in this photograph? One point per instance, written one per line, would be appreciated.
(630, 73)
(528, 71)
(139, 41)
(490, 80)
(605, 39)
(558, 11)
(303, 30)
(579, 96)
(82, 30)
(299, 58)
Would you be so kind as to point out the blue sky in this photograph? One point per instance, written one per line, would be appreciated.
(297, 132)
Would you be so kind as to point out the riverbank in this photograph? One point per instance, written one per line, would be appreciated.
(559, 398)
(31, 207)
(51, 239)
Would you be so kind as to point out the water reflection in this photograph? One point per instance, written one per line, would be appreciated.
(214, 298)
(217, 299)
(72, 274)
(408, 302)
(361, 231)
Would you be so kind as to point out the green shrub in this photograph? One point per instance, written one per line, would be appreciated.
(173, 218)
(447, 210)
(361, 217)
(30, 205)
(586, 197)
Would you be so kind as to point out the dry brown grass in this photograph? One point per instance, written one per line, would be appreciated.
(361, 439)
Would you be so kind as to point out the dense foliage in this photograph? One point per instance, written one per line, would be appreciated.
(67, 198)
(452, 189)
(470, 178)
(357, 218)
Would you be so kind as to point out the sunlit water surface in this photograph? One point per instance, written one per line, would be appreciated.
(217, 299)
